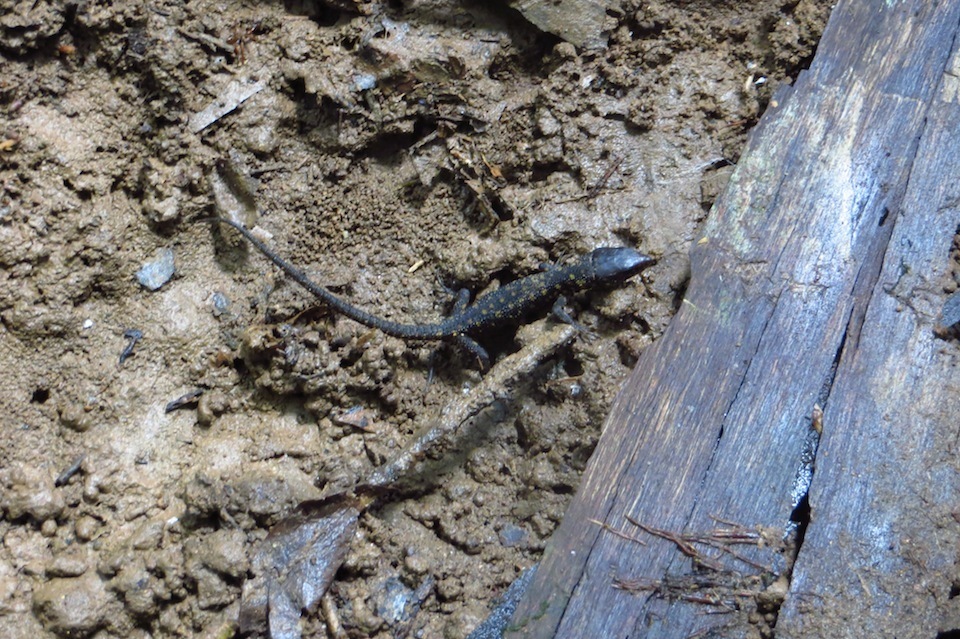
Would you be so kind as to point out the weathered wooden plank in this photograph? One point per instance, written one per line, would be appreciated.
(881, 555)
(715, 418)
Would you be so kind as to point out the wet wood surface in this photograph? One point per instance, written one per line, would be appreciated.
(818, 281)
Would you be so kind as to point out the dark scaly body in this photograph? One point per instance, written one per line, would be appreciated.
(503, 306)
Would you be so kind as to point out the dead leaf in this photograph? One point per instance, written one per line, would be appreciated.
(295, 564)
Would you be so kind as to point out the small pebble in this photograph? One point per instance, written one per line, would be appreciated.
(211, 406)
(512, 535)
(91, 489)
(417, 564)
(364, 81)
(148, 535)
(72, 607)
(86, 528)
(74, 417)
(28, 491)
(67, 566)
(155, 274)
(221, 303)
(565, 50)
(395, 599)
(48, 528)
(224, 552)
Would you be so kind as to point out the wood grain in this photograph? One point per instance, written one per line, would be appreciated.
(817, 281)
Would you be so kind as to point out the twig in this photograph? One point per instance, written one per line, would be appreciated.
(498, 383)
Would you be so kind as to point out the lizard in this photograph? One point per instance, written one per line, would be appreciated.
(509, 303)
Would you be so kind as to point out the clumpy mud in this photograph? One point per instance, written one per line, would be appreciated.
(393, 151)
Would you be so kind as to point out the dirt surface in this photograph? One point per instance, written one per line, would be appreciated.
(392, 150)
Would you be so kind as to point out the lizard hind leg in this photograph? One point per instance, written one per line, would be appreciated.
(478, 351)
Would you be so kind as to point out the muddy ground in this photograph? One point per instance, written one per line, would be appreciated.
(391, 150)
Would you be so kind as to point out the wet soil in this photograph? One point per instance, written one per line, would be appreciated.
(392, 151)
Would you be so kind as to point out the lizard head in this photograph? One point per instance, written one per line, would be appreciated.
(616, 264)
